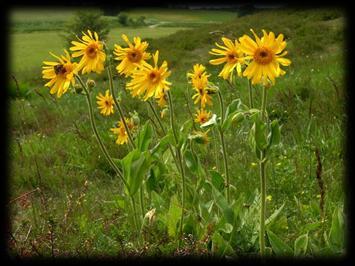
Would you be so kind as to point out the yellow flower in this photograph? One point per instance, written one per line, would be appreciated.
(105, 103)
(202, 94)
(199, 80)
(60, 73)
(91, 50)
(148, 81)
(198, 77)
(266, 56)
(231, 56)
(122, 136)
(162, 99)
(132, 56)
(202, 116)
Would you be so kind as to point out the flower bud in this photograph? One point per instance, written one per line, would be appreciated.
(90, 83)
(78, 88)
(136, 120)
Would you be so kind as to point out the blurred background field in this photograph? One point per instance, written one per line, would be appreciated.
(52, 146)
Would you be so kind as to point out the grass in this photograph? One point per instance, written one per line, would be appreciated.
(52, 146)
(180, 16)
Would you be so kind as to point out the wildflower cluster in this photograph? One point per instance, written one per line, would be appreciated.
(258, 60)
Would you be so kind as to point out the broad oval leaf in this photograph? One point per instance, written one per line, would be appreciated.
(278, 246)
(301, 243)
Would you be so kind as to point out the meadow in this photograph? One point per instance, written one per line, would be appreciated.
(65, 199)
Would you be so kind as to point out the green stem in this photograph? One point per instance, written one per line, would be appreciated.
(163, 129)
(141, 195)
(93, 125)
(119, 107)
(224, 150)
(263, 104)
(157, 116)
(179, 156)
(263, 182)
(221, 105)
(263, 203)
(135, 217)
(250, 94)
(225, 161)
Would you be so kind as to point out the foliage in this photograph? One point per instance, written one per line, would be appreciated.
(86, 20)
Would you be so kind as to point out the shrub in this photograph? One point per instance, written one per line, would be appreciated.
(87, 20)
(123, 19)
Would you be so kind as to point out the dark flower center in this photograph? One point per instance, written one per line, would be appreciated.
(263, 56)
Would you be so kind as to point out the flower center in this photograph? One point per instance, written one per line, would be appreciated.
(91, 50)
(232, 57)
(107, 103)
(134, 56)
(263, 56)
(59, 69)
(154, 77)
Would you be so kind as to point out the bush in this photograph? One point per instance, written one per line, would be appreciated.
(87, 20)
(123, 19)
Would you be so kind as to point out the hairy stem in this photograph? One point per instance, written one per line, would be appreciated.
(250, 94)
(262, 182)
(224, 150)
(93, 125)
(119, 107)
(182, 170)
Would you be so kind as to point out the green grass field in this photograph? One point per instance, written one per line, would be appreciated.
(80, 208)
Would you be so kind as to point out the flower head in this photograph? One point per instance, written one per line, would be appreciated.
(202, 116)
(231, 56)
(162, 99)
(122, 136)
(132, 56)
(202, 93)
(90, 48)
(148, 80)
(201, 137)
(105, 103)
(199, 80)
(60, 73)
(266, 55)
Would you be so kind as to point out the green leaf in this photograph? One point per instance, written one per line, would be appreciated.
(126, 163)
(135, 166)
(312, 226)
(223, 205)
(233, 117)
(260, 139)
(336, 233)
(210, 123)
(252, 142)
(226, 228)
(278, 246)
(217, 180)
(273, 216)
(232, 107)
(173, 216)
(275, 135)
(301, 243)
(185, 128)
(191, 161)
(163, 144)
(220, 246)
(144, 137)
